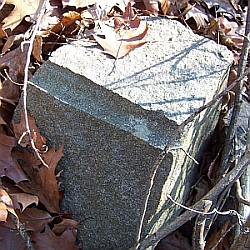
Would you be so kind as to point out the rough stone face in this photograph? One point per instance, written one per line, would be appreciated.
(114, 121)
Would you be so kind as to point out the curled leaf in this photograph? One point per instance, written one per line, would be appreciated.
(120, 46)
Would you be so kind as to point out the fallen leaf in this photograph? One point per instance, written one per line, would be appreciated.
(34, 219)
(6, 205)
(173, 7)
(12, 66)
(22, 8)
(9, 167)
(67, 19)
(10, 41)
(66, 224)
(151, 5)
(25, 199)
(42, 181)
(118, 46)
(48, 240)
(128, 20)
(218, 238)
(3, 212)
(232, 31)
(165, 5)
(20, 128)
(5, 198)
(8, 223)
(11, 239)
(2, 33)
(37, 48)
(199, 15)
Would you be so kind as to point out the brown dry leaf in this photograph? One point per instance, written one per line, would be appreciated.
(174, 7)
(199, 15)
(3, 212)
(20, 128)
(119, 46)
(11, 239)
(10, 41)
(13, 63)
(9, 223)
(222, 32)
(128, 20)
(42, 181)
(6, 205)
(151, 5)
(37, 48)
(25, 199)
(9, 166)
(165, 5)
(66, 20)
(2, 33)
(66, 224)
(174, 241)
(22, 8)
(218, 235)
(34, 219)
(48, 240)
(231, 28)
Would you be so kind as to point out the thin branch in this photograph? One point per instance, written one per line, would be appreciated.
(237, 103)
(25, 236)
(214, 211)
(225, 182)
(9, 78)
(221, 200)
(188, 155)
(198, 232)
(40, 10)
(164, 152)
(239, 196)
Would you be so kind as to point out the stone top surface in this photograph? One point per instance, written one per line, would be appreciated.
(175, 71)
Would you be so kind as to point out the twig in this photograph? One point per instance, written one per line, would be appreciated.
(26, 237)
(237, 103)
(188, 155)
(221, 199)
(164, 152)
(21, 228)
(214, 211)
(239, 196)
(245, 179)
(227, 181)
(198, 233)
(26, 74)
(9, 78)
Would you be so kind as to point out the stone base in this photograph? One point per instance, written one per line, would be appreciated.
(114, 124)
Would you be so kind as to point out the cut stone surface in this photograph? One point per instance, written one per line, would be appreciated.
(114, 121)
